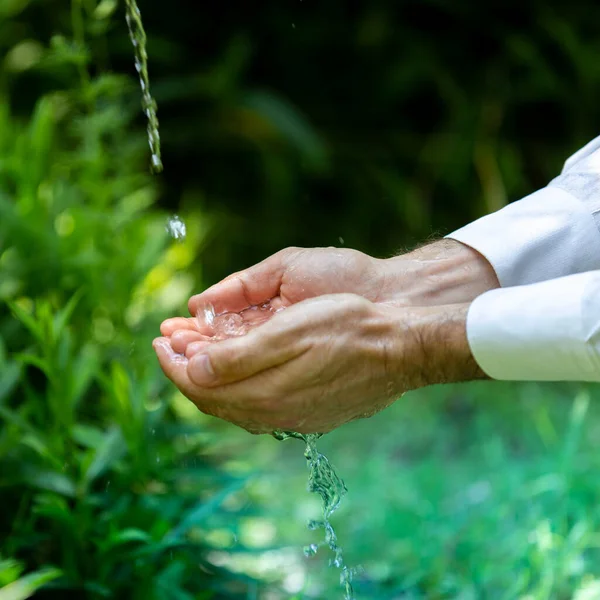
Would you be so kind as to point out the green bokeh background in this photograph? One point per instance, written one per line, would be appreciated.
(370, 125)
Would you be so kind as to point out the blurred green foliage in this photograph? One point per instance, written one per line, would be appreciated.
(100, 478)
(284, 123)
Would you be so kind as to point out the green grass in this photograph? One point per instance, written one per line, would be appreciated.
(477, 491)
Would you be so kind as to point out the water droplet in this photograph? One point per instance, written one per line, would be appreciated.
(341, 240)
(312, 525)
(176, 228)
(310, 550)
(209, 315)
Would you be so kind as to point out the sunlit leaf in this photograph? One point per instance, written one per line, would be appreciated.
(27, 586)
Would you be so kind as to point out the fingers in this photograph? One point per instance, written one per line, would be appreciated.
(239, 291)
(169, 326)
(236, 359)
(174, 365)
(229, 402)
(181, 338)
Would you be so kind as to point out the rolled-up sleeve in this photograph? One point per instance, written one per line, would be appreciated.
(548, 331)
(552, 233)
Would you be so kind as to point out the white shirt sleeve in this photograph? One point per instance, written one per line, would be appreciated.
(547, 331)
(544, 323)
(551, 233)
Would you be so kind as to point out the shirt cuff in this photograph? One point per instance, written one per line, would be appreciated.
(548, 331)
(546, 235)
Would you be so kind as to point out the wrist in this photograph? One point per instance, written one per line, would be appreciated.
(444, 341)
(443, 273)
(434, 346)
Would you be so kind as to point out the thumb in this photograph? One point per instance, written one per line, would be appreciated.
(236, 359)
(244, 289)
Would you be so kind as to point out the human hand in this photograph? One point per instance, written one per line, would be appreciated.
(321, 363)
(444, 272)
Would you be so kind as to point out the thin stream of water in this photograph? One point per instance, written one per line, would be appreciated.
(324, 481)
(137, 34)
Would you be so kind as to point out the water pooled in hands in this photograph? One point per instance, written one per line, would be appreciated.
(229, 325)
(324, 481)
(138, 39)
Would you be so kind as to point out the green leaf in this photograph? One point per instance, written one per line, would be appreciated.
(205, 509)
(87, 365)
(9, 376)
(108, 452)
(29, 436)
(27, 319)
(11, 8)
(50, 480)
(10, 570)
(27, 586)
(128, 536)
(35, 361)
(62, 318)
(87, 436)
(37, 444)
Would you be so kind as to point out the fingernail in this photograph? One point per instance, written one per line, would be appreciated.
(163, 348)
(161, 343)
(201, 370)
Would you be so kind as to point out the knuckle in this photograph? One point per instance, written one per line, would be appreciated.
(291, 251)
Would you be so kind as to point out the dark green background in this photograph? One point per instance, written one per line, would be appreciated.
(299, 122)
(285, 122)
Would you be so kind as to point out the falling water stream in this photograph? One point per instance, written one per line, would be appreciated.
(138, 39)
(322, 478)
(324, 481)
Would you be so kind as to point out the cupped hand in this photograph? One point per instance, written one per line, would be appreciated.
(442, 273)
(318, 364)
(286, 278)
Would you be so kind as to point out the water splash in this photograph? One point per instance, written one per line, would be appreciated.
(176, 228)
(227, 325)
(138, 39)
(324, 481)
